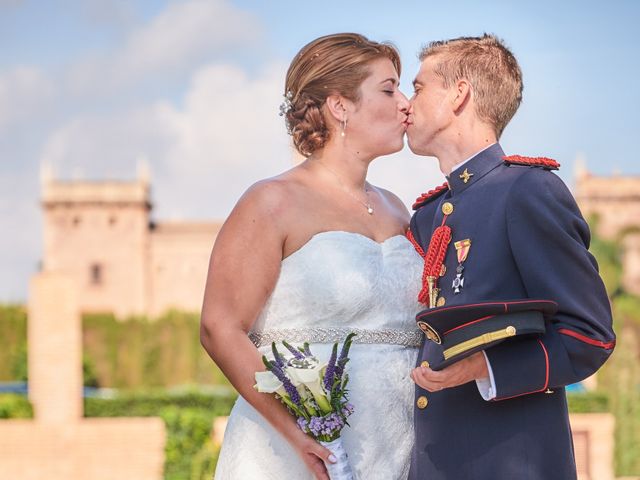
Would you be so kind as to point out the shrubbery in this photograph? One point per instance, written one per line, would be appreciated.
(15, 406)
(139, 352)
(189, 451)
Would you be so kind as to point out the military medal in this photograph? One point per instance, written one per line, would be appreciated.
(462, 249)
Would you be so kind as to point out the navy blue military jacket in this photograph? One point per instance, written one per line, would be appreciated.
(528, 240)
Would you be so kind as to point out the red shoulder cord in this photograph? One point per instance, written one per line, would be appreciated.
(431, 193)
(433, 260)
(533, 161)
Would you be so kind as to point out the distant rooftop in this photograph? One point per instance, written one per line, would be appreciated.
(96, 191)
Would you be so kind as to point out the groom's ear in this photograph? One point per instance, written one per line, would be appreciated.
(337, 108)
(461, 93)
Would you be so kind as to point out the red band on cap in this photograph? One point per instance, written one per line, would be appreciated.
(469, 323)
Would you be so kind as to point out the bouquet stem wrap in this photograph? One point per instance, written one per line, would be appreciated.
(341, 470)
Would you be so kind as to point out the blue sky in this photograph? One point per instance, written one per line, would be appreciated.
(192, 88)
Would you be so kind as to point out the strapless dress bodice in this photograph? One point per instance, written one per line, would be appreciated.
(343, 279)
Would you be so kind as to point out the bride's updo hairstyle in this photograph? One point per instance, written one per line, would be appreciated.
(329, 65)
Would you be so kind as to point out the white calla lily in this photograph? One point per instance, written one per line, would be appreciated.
(311, 377)
(267, 382)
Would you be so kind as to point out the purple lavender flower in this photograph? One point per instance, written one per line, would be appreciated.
(303, 424)
(324, 428)
(347, 409)
(331, 367)
(295, 352)
(286, 383)
(343, 359)
(279, 359)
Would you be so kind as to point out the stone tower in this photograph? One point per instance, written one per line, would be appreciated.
(614, 203)
(97, 233)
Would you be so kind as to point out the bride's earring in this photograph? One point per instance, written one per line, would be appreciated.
(344, 127)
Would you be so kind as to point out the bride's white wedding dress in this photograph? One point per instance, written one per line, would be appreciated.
(336, 283)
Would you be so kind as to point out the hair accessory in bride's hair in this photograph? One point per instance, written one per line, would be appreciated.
(286, 105)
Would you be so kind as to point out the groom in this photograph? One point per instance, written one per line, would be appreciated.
(514, 232)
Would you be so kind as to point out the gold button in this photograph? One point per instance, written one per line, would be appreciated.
(443, 270)
(425, 364)
(511, 330)
(441, 301)
(447, 208)
(422, 402)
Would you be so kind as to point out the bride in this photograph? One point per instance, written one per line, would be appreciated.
(320, 252)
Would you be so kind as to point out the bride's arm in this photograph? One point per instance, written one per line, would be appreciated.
(244, 267)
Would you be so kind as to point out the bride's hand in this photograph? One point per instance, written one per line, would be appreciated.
(314, 455)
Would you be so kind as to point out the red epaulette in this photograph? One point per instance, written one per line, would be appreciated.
(546, 163)
(430, 195)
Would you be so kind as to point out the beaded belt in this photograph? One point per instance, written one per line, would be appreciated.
(407, 338)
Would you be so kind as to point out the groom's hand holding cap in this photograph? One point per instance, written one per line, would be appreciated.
(463, 330)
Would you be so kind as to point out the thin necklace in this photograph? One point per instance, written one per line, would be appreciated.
(366, 204)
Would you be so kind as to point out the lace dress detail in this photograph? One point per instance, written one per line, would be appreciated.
(338, 282)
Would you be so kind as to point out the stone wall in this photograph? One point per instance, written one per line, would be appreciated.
(59, 444)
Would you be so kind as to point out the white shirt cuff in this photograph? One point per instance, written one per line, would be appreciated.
(487, 386)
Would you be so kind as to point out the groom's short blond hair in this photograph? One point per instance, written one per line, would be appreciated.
(491, 69)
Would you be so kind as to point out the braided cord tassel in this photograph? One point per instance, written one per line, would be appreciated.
(433, 261)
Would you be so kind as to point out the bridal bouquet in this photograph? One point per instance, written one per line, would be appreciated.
(315, 393)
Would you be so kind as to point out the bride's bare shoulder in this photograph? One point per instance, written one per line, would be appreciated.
(394, 202)
(272, 196)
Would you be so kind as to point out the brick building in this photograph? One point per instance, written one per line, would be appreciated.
(100, 233)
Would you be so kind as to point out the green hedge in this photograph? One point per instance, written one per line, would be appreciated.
(620, 379)
(588, 402)
(15, 406)
(139, 352)
(147, 403)
(13, 343)
(189, 452)
(132, 353)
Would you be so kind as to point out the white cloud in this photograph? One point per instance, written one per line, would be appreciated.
(202, 155)
(178, 38)
(229, 134)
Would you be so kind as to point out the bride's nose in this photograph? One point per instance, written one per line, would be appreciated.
(403, 103)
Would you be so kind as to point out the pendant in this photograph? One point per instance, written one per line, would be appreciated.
(458, 282)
